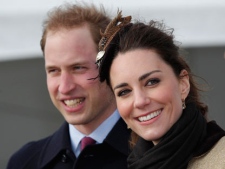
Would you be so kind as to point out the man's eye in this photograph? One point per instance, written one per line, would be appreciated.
(152, 82)
(52, 70)
(78, 67)
(123, 92)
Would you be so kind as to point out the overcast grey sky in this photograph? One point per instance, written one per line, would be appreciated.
(196, 22)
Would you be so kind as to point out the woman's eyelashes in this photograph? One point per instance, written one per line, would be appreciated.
(123, 92)
(152, 82)
(149, 83)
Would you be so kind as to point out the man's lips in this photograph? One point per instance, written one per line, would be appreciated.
(73, 102)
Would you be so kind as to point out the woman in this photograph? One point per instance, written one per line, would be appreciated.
(158, 98)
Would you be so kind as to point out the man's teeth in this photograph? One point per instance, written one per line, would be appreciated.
(73, 103)
(149, 116)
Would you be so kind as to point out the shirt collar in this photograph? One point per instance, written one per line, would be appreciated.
(99, 134)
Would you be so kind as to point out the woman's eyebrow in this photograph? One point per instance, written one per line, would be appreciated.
(120, 85)
(147, 74)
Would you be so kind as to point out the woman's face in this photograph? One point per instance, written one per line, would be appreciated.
(148, 94)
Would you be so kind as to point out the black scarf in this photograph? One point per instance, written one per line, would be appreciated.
(176, 148)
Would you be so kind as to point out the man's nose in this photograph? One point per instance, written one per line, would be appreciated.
(66, 83)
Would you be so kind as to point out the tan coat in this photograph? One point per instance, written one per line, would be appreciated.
(214, 159)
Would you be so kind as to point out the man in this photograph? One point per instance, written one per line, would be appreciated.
(70, 45)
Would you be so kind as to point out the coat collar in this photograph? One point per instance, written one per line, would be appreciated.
(59, 142)
(56, 144)
(214, 134)
(119, 136)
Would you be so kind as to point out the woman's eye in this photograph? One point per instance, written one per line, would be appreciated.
(152, 82)
(123, 92)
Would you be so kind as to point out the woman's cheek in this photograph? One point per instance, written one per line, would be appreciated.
(124, 109)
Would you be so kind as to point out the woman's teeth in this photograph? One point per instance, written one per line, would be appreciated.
(73, 103)
(149, 116)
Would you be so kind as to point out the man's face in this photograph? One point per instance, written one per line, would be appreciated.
(70, 61)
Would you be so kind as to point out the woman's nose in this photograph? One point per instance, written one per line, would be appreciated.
(141, 99)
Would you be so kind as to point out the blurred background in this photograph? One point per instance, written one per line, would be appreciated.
(26, 112)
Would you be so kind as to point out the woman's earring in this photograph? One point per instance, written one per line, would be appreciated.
(183, 104)
(128, 127)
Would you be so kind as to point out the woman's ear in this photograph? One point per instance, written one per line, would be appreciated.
(184, 84)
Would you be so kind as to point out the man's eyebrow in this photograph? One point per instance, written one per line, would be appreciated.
(47, 67)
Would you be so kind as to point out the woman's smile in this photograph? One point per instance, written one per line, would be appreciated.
(149, 116)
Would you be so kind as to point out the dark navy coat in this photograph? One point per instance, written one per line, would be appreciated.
(55, 152)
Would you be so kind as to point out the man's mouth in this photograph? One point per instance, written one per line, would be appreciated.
(74, 102)
(149, 116)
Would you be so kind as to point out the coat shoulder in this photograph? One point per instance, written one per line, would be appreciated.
(26, 153)
(214, 158)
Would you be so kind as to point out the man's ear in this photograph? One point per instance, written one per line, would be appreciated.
(184, 84)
